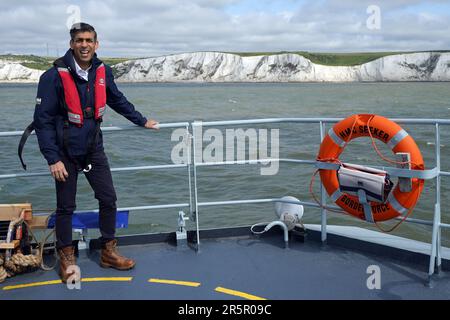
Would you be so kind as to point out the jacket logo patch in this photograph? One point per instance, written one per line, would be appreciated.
(38, 101)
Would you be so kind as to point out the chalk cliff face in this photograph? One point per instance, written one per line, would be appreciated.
(15, 72)
(223, 67)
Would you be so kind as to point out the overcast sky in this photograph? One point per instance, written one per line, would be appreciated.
(145, 28)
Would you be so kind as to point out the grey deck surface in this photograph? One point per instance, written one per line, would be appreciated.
(258, 266)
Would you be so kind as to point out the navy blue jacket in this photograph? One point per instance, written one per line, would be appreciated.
(49, 115)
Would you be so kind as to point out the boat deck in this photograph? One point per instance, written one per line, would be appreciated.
(233, 264)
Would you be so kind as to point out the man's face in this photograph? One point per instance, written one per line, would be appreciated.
(84, 45)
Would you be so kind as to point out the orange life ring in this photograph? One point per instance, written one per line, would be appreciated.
(387, 131)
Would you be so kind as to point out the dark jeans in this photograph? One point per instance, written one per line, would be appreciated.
(100, 179)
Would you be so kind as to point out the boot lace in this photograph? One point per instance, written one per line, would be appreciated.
(69, 258)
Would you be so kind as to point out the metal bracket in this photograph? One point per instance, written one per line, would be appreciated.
(181, 233)
(405, 184)
(367, 208)
(83, 243)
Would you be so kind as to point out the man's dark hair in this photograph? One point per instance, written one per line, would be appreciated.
(81, 27)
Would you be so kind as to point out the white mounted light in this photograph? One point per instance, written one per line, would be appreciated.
(289, 213)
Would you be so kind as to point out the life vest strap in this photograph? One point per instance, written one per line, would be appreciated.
(26, 133)
(92, 146)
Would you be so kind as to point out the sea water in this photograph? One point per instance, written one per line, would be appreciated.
(174, 102)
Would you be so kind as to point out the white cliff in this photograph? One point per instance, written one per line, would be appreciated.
(224, 67)
(13, 71)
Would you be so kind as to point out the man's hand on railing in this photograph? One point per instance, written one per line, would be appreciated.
(152, 124)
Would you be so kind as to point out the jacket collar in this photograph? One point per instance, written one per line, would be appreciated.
(69, 62)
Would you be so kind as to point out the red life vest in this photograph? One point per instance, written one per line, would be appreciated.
(74, 108)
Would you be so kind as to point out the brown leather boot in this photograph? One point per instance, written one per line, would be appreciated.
(111, 258)
(66, 259)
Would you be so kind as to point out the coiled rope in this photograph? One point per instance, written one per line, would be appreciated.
(20, 263)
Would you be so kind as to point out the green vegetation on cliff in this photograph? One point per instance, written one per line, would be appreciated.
(327, 59)
(331, 59)
(44, 63)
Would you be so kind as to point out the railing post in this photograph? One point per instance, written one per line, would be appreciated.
(323, 197)
(438, 196)
(195, 132)
(189, 162)
(435, 256)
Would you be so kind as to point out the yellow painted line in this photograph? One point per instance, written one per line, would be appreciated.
(46, 283)
(107, 279)
(238, 294)
(34, 284)
(180, 283)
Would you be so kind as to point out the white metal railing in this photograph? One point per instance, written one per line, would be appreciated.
(435, 254)
(191, 161)
(122, 169)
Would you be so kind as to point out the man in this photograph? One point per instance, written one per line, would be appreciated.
(70, 103)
